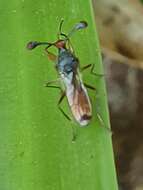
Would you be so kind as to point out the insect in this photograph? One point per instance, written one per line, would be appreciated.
(69, 71)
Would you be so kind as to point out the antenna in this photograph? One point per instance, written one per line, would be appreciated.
(81, 25)
(34, 44)
(78, 26)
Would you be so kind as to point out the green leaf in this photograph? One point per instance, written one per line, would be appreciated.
(36, 148)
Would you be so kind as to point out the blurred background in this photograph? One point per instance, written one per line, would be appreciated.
(120, 28)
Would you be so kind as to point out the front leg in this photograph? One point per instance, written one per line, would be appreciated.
(51, 56)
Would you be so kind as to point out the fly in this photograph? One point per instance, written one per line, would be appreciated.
(68, 68)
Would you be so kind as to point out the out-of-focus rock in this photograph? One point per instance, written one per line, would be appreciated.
(119, 24)
(120, 28)
(125, 96)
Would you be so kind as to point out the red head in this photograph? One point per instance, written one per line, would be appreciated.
(60, 44)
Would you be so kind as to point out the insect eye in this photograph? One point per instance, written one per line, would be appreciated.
(60, 44)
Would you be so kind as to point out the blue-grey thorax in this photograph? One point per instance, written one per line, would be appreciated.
(67, 63)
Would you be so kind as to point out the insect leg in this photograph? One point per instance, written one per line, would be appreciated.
(70, 46)
(60, 29)
(48, 84)
(60, 33)
(103, 124)
(51, 56)
(92, 71)
(86, 67)
(59, 102)
(89, 86)
(98, 115)
(91, 66)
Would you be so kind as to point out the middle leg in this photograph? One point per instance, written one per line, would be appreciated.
(91, 66)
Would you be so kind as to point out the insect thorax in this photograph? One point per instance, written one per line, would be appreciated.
(67, 62)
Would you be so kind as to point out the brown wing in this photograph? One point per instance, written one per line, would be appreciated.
(81, 107)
